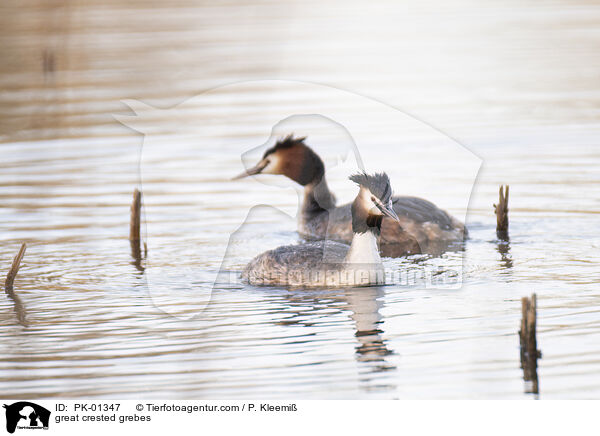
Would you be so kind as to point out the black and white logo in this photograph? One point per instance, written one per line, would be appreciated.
(26, 415)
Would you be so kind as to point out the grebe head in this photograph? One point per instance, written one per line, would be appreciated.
(290, 157)
(373, 202)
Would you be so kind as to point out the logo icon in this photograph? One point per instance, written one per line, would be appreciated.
(26, 415)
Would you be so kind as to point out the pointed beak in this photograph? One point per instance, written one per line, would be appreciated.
(252, 171)
(388, 211)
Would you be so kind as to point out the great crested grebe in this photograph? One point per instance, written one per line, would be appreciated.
(422, 226)
(330, 263)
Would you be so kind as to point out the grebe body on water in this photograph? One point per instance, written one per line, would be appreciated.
(330, 263)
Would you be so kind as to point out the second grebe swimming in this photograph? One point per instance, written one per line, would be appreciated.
(422, 226)
(329, 263)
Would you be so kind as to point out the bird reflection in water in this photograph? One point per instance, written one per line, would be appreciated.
(364, 304)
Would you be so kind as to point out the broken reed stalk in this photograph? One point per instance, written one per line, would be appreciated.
(501, 211)
(136, 211)
(529, 352)
(14, 269)
(134, 230)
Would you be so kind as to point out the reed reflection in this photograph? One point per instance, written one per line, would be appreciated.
(136, 255)
(18, 307)
(503, 247)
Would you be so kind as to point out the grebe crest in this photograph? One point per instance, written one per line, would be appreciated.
(292, 158)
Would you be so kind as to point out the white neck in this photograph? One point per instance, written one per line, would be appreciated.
(363, 249)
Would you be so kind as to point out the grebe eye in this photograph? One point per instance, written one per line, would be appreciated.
(372, 199)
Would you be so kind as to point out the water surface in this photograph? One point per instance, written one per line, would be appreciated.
(517, 84)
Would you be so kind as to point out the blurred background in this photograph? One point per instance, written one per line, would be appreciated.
(458, 65)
